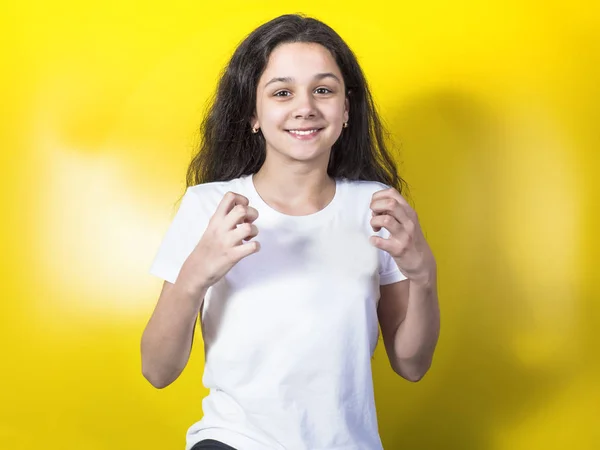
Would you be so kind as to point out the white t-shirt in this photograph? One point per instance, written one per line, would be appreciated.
(290, 331)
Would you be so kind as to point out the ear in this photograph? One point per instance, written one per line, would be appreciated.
(254, 122)
(346, 109)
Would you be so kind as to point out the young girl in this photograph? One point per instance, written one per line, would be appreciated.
(292, 243)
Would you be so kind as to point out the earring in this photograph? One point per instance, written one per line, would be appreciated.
(255, 130)
(345, 124)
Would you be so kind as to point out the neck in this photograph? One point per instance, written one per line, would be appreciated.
(296, 188)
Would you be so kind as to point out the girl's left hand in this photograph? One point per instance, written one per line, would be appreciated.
(406, 243)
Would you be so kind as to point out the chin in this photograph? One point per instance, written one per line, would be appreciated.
(304, 154)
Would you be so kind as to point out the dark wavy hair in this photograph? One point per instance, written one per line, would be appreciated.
(228, 149)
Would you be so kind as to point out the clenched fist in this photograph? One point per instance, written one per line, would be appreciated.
(222, 244)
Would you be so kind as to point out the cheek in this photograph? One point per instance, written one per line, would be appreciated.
(335, 112)
(273, 117)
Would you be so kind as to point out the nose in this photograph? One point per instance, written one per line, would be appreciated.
(304, 107)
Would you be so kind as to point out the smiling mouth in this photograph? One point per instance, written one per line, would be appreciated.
(299, 133)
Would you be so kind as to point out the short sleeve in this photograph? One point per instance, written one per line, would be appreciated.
(388, 269)
(389, 272)
(181, 237)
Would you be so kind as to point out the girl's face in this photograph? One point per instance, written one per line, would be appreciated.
(301, 102)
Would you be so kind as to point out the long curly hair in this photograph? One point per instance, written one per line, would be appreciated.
(228, 149)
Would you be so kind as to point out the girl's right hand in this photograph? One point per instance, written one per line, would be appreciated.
(221, 245)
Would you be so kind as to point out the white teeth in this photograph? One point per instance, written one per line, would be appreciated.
(304, 133)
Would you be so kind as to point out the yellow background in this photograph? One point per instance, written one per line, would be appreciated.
(496, 107)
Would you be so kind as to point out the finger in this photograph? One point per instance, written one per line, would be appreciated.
(241, 251)
(384, 244)
(228, 202)
(251, 214)
(388, 222)
(237, 216)
(390, 192)
(390, 206)
(244, 232)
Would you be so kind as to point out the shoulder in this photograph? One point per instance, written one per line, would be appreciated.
(359, 189)
(204, 198)
(214, 191)
(358, 195)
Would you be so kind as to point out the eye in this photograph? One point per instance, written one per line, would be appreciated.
(323, 90)
(283, 93)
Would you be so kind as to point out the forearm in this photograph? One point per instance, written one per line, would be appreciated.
(166, 341)
(417, 335)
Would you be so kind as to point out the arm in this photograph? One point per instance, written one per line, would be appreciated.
(410, 324)
(167, 338)
(408, 310)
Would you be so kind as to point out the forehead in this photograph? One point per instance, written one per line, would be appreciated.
(300, 60)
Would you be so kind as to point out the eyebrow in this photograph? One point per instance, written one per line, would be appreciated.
(319, 76)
